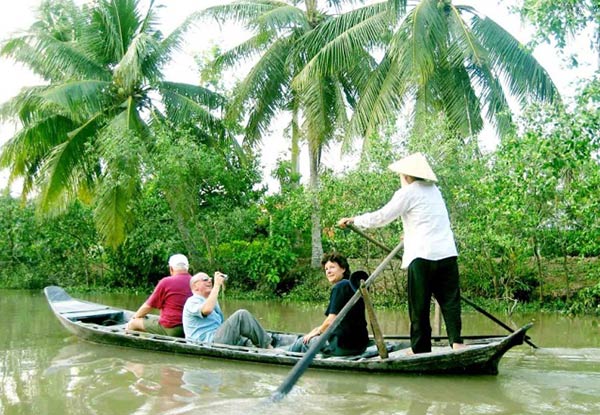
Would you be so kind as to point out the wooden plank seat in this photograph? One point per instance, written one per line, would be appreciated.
(96, 316)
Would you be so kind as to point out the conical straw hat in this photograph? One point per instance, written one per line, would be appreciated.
(415, 165)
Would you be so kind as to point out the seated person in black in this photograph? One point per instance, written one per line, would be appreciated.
(351, 336)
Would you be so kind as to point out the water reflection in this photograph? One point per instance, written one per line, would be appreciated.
(104, 379)
(143, 382)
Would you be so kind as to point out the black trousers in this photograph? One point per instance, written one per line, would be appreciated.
(440, 279)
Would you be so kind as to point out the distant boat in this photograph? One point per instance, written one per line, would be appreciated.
(100, 323)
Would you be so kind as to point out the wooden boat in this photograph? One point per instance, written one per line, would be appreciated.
(105, 324)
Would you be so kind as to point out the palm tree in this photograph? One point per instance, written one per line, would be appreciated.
(441, 58)
(280, 35)
(86, 132)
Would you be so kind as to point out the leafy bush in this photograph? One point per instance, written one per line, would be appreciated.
(587, 301)
(259, 264)
(59, 250)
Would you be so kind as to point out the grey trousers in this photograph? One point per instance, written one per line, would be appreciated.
(242, 326)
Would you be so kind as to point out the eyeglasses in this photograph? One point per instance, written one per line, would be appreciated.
(205, 278)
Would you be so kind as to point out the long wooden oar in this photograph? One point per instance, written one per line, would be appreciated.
(317, 345)
(466, 300)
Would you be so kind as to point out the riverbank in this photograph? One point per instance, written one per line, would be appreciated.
(569, 286)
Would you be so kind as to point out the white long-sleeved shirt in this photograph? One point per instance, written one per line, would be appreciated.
(427, 232)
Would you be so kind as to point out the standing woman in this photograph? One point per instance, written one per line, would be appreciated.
(351, 336)
(429, 249)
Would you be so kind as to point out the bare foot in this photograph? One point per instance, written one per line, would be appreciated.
(458, 346)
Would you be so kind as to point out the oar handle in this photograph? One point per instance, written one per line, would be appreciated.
(466, 300)
(367, 237)
(499, 322)
(300, 367)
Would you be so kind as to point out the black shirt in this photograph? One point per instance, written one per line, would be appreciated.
(352, 331)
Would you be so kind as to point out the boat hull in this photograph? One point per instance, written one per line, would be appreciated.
(104, 324)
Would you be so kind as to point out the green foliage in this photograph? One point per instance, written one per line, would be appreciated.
(35, 253)
(141, 260)
(559, 20)
(263, 262)
(85, 132)
(446, 59)
(285, 39)
(587, 301)
(312, 287)
(524, 215)
(201, 183)
(531, 198)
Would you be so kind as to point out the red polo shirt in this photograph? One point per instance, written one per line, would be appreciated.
(169, 296)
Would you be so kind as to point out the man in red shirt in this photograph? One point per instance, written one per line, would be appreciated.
(168, 296)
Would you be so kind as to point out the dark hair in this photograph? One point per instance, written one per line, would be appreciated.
(338, 259)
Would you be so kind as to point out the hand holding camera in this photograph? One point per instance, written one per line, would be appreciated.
(220, 277)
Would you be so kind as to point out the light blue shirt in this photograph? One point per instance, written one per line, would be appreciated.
(196, 326)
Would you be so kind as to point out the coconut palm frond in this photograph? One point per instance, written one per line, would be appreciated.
(77, 98)
(319, 98)
(246, 50)
(32, 144)
(171, 43)
(339, 113)
(113, 26)
(387, 90)
(59, 170)
(150, 21)
(23, 106)
(135, 67)
(427, 41)
(51, 59)
(454, 96)
(48, 46)
(525, 77)
(203, 96)
(187, 104)
(396, 8)
(463, 45)
(337, 43)
(129, 120)
(112, 213)
(282, 19)
(244, 12)
(21, 51)
(263, 91)
(354, 79)
(498, 111)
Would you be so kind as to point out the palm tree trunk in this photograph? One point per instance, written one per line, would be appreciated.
(567, 277)
(538, 261)
(295, 156)
(317, 245)
(311, 11)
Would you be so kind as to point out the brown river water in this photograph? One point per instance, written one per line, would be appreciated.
(46, 370)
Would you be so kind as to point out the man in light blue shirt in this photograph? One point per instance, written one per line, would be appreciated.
(203, 319)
